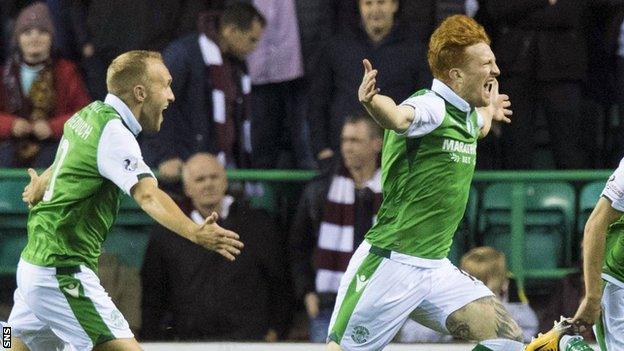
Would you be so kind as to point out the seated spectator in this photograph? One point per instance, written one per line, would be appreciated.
(212, 108)
(489, 266)
(38, 93)
(335, 212)
(191, 293)
(123, 284)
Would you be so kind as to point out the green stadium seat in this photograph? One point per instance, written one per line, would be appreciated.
(549, 210)
(11, 196)
(11, 247)
(128, 245)
(542, 249)
(587, 200)
(13, 212)
(131, 215)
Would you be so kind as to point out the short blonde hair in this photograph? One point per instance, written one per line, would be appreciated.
(449, 41)
(486, 264)
(129, 70)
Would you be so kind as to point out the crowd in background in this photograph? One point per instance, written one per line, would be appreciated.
(272, 84)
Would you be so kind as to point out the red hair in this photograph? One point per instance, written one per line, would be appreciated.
(448, 41)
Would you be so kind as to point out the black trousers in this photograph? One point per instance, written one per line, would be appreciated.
(561, 102)
(280, 136)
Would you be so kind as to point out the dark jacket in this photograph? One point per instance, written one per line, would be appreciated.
(188, 125)
(304, 233)
(402, 69)
(534, 38)
(192, 293)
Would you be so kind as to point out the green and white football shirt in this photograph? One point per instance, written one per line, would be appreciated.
(426, 178)
(97, 155)
(613, 270)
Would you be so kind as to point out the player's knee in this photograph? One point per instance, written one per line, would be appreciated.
(332, 346)
(129, 344)
(17, 345)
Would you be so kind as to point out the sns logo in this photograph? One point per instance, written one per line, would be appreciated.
(360, 282)
(6, 337)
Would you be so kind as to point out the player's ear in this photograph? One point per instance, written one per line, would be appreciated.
(456, 74)
(139, 93)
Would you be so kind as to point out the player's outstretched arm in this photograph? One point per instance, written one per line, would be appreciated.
(382, 108)
(594, 239)
(33, 192)
(498, 110)
(164, 210)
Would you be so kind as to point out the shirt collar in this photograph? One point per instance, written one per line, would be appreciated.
(124, 111)
(226, 203)
(449, 95)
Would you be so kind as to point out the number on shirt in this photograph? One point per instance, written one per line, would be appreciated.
(63, 148)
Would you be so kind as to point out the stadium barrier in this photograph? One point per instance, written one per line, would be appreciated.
(518, 181)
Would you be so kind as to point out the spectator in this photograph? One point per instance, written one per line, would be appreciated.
(489, 266)
(334, 213)
(105, 29)
(541, 51)
(123, 284)
(279, 131)
(398, 57)
(191, 293)
(211, 112)
(38, 93)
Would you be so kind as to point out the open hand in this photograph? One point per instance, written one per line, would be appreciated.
(499, 103)
(368, 88)
(588, 312)
(33, 192)
(211, 236)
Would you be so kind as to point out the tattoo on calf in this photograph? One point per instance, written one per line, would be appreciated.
(483, 319)
(460, 329)
(506, 327)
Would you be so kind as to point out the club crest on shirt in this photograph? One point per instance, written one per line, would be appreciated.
(130, 164)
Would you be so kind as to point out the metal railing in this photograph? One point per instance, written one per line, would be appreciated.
(518, 179)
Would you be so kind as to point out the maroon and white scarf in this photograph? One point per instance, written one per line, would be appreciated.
(336, 237)
(230, 85)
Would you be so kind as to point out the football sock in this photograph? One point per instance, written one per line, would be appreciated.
(573, 343)
(499, 345)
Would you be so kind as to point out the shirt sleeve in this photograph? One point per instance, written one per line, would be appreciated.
(428, 114)
(614, 189)
(119, 157)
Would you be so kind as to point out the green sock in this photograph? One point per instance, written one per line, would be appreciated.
(480, 347)
(574, 343)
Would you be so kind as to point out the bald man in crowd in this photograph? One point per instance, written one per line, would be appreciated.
(190, 293)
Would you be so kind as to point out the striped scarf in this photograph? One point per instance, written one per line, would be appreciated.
(336, 231)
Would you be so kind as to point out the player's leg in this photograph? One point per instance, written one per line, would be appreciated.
(464, 307)
(17, 345)
(375, 298)
(119, 345)
(609, 329)
(27, 331)
(74, 305)
(483, 319)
